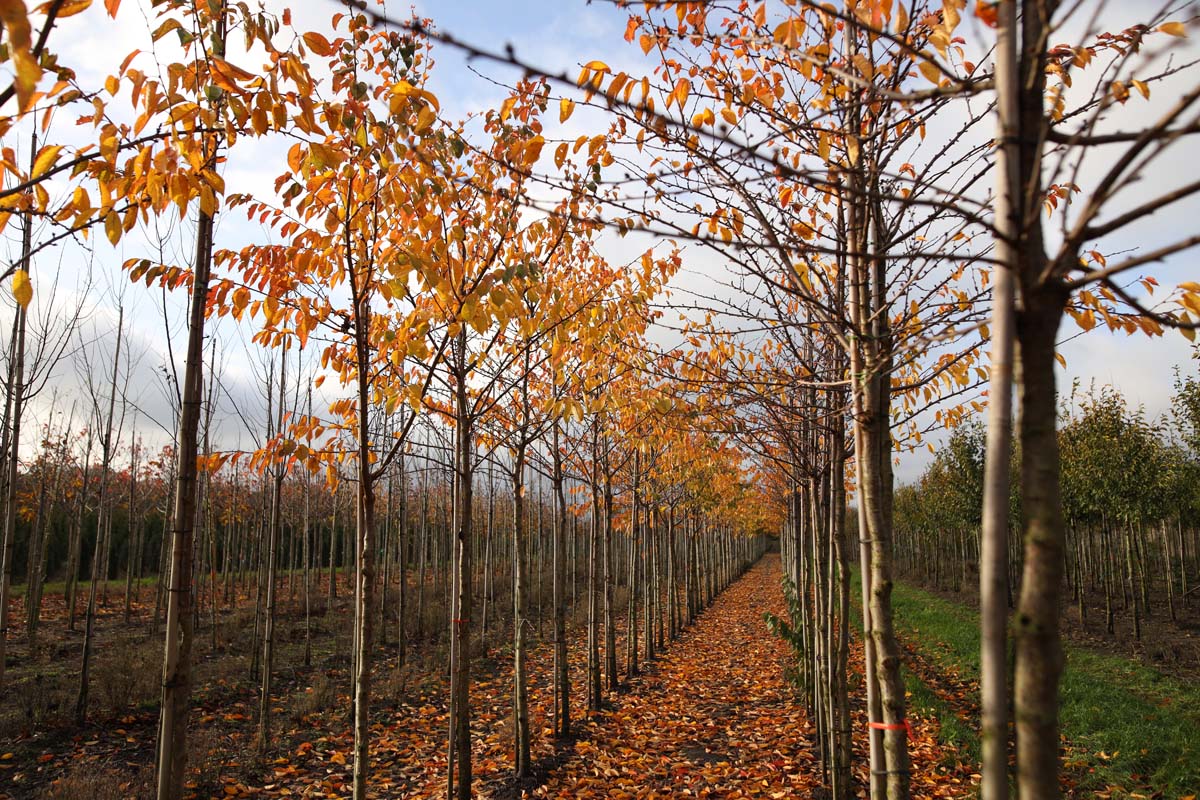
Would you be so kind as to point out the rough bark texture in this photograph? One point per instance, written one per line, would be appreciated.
(1036, 629)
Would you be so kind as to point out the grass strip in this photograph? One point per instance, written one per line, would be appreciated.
(1129, 726)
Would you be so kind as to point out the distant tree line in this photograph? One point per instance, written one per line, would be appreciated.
(1131, 498)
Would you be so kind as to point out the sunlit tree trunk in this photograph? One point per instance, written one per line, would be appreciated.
(994, 545)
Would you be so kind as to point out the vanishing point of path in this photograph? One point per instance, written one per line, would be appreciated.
(713, 717)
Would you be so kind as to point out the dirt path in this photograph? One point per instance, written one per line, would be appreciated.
(711, 718)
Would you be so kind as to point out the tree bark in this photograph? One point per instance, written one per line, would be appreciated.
(102, 520)
(177, 668)
(993, 568)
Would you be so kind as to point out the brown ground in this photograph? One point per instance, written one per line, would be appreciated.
(712, 716)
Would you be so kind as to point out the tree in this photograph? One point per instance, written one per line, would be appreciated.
(1052, 280)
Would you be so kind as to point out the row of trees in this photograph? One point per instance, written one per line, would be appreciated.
(663, 540)
(1129, 499)
(467, 333)
(893, 201)
(836, 159)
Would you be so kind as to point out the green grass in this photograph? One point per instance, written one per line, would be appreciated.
(1128, 725)
(924, 701)
(60, 587)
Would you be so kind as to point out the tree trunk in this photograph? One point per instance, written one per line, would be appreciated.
(610, 625)
(562, 674)
(268, 651)
(1038, 647)
(520, 690)
(14, 409)
(364, 575)
(103, 511)
(177, 672)
(460, 623)
(993, 567)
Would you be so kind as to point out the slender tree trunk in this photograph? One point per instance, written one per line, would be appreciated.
(273, 528)
(460, 691)
(873, 460)
(177, 668)
(1038, 647)
(593, 634)
(631, 623)
(364, 574)
(610, 625)
(103, 511)
(993, 567)
(14, 409)
(402, 610)
(562, 674)
(75, 534)
(36, 562)
(520, 690)
(134, 526)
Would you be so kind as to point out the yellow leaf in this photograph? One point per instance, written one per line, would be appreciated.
(565, 107)
(425, 120)
(597, 66)
(45, 160)
(318, 44)
(15, 20)
(788, 33)
(22, 289)
(533, 149)
(680, 94)
(1059, 358)
(227, 75)
(406, 89)
(1174, 29)
(930, 71)
(112, 227)
(322, 157)
(73, 7)
(208, 201)
(506, 108)
(560, 155)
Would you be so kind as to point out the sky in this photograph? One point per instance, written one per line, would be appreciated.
(558, 36)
